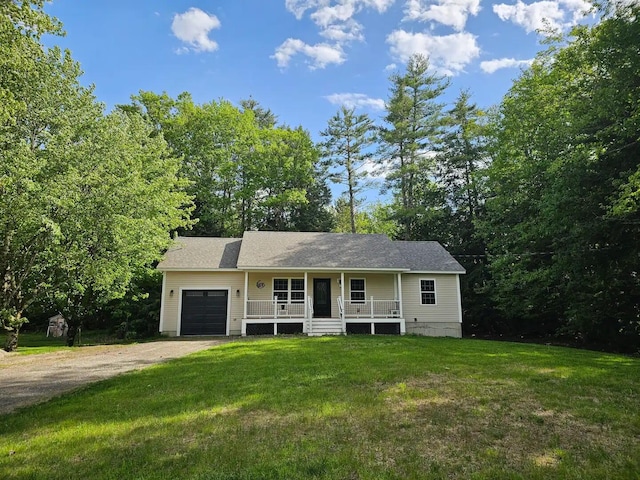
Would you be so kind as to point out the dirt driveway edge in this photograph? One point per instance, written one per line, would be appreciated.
(30, 379)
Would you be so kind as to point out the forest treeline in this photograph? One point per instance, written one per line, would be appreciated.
(537, 197)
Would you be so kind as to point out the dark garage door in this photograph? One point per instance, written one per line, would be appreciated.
(204, 312)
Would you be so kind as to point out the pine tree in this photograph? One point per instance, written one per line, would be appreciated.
(346, 151)
(414, 130)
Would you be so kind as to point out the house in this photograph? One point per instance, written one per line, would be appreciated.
(312, 283)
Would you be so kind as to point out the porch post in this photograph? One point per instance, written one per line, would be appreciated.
(246, 293)
(342, 315)
(306, 295)
(400, 295)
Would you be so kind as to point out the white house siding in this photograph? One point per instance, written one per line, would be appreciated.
(175, 281)
(441, 319)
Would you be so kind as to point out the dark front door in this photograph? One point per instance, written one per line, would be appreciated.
(322, 297)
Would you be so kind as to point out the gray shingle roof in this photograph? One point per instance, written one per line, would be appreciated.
(317, 250)
(308, 250)
(427, 257)
(201, 253)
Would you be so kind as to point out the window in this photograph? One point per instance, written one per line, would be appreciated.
(281, 289)
(297, 290)
(428, 292)
(357, 290)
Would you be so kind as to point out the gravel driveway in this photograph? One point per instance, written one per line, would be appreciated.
(30, 379)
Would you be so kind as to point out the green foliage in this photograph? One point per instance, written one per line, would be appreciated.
(264, 118)
(22, 23)
(245, 173)
(374, 218)
(87, 199)
(414, 119)
(346, 150)
(461, 163)
(370, 407)
(562, 221)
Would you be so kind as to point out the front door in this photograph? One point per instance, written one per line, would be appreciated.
(322, 297)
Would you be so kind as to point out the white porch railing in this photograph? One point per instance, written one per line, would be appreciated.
(372, 308)
(273, 309)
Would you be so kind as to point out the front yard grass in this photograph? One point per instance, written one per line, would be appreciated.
(344, 408)
(31, 343)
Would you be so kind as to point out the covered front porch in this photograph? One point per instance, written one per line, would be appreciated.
(322, 302)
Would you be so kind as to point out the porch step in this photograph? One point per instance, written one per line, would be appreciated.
(327, 327)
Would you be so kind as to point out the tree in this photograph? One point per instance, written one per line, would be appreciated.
(22, 23)
(346, 151)
(21, 26)
(372, 219)
(66, 225)
(55, 107)
(462, 156)
(414, 120)
(564, 253)
(461, 163)
(264, 118)
(124, 198)
(244, 172)
(285, 170)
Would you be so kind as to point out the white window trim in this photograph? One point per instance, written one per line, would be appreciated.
(435, 292)
(288, 279)
(364, 281)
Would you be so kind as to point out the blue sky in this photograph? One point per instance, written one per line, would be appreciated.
(302, 58)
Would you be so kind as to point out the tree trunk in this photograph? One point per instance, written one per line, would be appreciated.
(11, 343)
(71, 335)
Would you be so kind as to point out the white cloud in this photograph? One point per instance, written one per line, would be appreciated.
(356, 100)
(321, 54)
(491, 66)
(448, 53)
(391, 67)
(343, 33)
(193, 27)
(453, 13)
(327, 15)
(544, 15)
(299, 7)
(380, 5)
(336, 22)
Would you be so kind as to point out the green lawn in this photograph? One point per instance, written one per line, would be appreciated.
(30, 343)
(344, 408)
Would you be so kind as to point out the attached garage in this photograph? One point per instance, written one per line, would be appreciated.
(204, 312)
